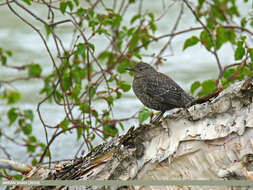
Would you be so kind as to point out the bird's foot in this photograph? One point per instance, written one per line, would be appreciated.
(190, 118)
(156, 120)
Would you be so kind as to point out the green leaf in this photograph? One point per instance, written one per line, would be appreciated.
(91, 12)
(245, 71)
(243, 22)
(151, 16)
(18, 177)
(48, 30)
(4, 60)
(152, 26)
(210, 24)
(124, 86)
(231, 36)
(32, 139)
(190, 42)
(221, 37)
(110, 99)
(76, 2)
(195, 86)
(81, 50)
(21, 122)
(134, 40)
(92, 92)
(243, 38)
(130, 31)
(144, 115)
(27, 129)
(80, 12)
(9, 53)
(91, 46)
(4, 171)
(43, 146)
(240, 51)
(103, 31)
(228, 73)
(224, 82)
(206, 39)
(251, 22)
(31, 148)
(70, 5)
(64, 124)
(12, 115)
(208, 86)
(216, 12)
(105, 55)
(119, 94)
(116, 20)
(34, 162)
(58, 95)
(201, 2)
(233, 11)
(134, 18)
(76, 91)
(79, 132)
(82, 73)
(34, 70)
(13, 97)
(66, 81)
(251, 54)
(93, 22)
(29, 114)
(63, 6)
(121, 126)
(251, 65)
(122, 66)
(28, 2)
(47, 153)
(94, 113)
(92, 137)
(85, 108)
(109, 130)
(145, 38)
(218, 43)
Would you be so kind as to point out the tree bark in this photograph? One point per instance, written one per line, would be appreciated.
(215, 142)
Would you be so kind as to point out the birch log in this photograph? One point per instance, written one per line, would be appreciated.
(216, 143)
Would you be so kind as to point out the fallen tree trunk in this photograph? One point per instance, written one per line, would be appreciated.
(217, 143)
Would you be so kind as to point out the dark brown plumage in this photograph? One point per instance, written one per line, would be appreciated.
(156, 90)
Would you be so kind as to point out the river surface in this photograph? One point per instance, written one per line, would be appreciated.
(184, 67)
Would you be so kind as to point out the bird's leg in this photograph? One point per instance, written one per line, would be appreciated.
(190, 116)
(157, 118)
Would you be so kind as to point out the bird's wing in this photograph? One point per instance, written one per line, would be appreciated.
(164, 90)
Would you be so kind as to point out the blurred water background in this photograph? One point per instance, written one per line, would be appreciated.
(184, 67)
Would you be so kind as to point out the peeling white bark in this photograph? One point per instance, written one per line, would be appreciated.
(217, 144)
(16, 166)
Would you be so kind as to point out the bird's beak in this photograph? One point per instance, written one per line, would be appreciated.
(129, 69)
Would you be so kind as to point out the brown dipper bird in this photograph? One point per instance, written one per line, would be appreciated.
(158, 91)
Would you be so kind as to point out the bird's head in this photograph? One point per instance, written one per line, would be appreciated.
(142, 69)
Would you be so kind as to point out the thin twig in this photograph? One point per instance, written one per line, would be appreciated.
(5, 152)
(45, 44)
(172, 31)
(209, 33)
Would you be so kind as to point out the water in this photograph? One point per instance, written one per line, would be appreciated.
(184, 67)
